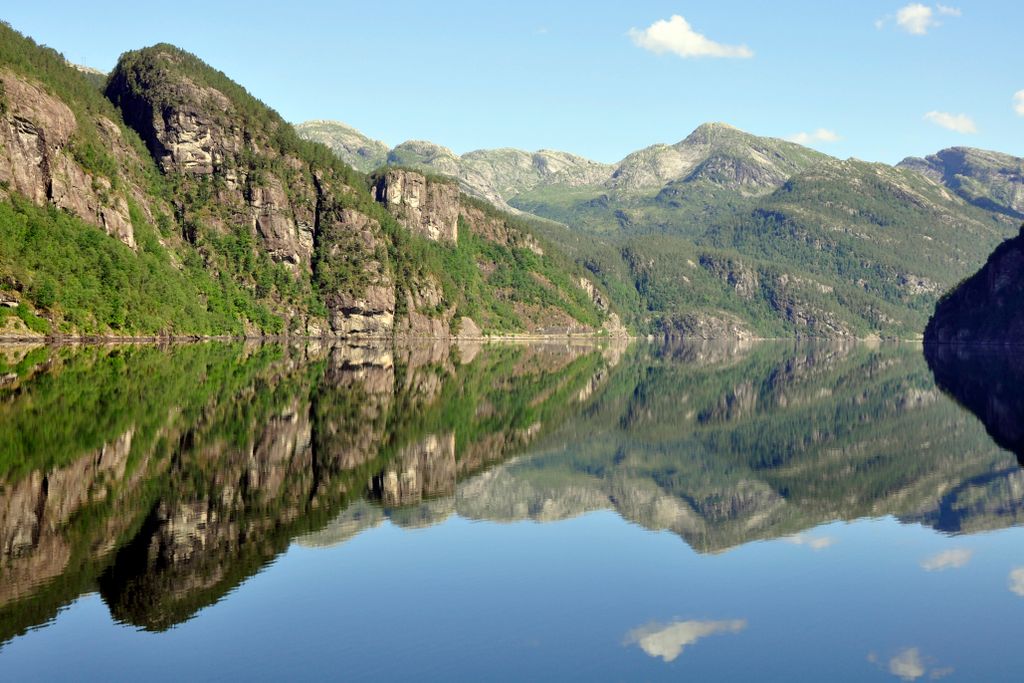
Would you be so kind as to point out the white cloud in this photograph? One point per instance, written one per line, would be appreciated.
(675, 35)
(817, 135)
(1017, 581)
(1018, 102)
(907, 664)
(916, 18)
(961, 123)
(947, 559)
(669, 641)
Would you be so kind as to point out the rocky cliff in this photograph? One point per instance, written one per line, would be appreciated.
(428, 207)
(41, 144)
(988, 307)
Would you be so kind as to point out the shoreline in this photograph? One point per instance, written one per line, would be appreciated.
(56, 340)
(62, 340)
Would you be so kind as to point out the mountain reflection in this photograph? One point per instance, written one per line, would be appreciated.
(164, 477)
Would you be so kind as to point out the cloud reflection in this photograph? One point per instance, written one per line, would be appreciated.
(812, 542)
(1017, 581)
(947, 559)
(909, 665)
(669, 640)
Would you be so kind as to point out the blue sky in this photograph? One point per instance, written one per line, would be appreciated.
(599, 79)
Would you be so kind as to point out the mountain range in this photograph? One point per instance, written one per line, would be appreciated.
(730, 233)
(165, 200)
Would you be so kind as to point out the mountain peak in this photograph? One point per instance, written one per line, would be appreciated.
(352, 146)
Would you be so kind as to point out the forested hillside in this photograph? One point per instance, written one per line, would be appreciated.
(173, 202)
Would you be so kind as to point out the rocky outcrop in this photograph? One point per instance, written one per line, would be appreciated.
(301, 215)
(704, 325)
(37, 158)
(495, 228)
(741, 278)
(427, 315)
(287, 233)
(425, 206)
(988, 307)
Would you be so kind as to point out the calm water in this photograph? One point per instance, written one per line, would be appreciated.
(510, 513)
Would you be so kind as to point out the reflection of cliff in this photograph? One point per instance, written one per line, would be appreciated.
(166, 500)
(990, 383)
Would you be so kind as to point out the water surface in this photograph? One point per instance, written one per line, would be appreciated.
(793, 512)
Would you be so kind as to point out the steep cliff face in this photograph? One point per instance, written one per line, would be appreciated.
(988, 307)
(38, 157)
(198, 137)
(425, 206)
(492, 254)
(217, 141)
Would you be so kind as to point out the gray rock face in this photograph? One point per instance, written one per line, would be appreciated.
(36, 159)
(194, 131)
(288, 239)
